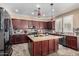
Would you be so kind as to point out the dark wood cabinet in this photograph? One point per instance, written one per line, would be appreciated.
(45, 47)
(36, 24)
(53, 25)
(71, 41)
(16, 23)
(51, 46)
(19, 24)
(45, 25)
(17, 39)
(74, 43)
(30, 24)
(24, 24)
(37, 48)
(41, 26)
(49, 25)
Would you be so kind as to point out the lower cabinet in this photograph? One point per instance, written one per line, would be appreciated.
(71, 42)
(17, 39)
(74, 43)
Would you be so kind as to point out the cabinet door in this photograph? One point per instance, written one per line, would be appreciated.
(16, 23)
(13, 38)
(53, 25)
(74, 43)
(36, 24)
(26, 39)
(37, 48)
(22, 38)
(71, 42)
(41, 25)
(17, 40)
(24, 24)
(45, 26)
(49, 25)
(44, 47)
(30, 24)
(51, 46)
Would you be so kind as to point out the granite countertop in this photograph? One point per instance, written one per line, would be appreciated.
(65, 34)
(18, 33)
(42, 38)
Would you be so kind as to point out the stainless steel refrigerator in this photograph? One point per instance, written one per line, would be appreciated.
(5, 45)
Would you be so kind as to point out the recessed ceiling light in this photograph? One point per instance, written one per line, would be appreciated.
(32, 13)
(38, 6)
(16, 10)
(43, 14)
(53, 10)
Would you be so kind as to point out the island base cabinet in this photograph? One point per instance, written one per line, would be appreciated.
(45, 47)
(51, 46)
(42, 48)
(37, 49)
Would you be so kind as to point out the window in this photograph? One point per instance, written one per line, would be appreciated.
(68, 23)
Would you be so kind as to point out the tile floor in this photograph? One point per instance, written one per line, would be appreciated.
(22, 50)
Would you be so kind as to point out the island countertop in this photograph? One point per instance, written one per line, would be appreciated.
(44, 37)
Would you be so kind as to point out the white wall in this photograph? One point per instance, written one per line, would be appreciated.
(58, 25)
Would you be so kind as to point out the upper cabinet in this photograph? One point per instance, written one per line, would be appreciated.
(49, 25)
(36, 24)
(16, 23)
(53, 25)
(68, 23)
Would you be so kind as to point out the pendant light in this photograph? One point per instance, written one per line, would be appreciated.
(52, 11)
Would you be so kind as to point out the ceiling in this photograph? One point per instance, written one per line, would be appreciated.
(28, 8)
(61, 8)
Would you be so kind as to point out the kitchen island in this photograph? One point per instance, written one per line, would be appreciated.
(43, 45)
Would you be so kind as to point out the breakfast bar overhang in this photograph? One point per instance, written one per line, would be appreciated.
(43, 45)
